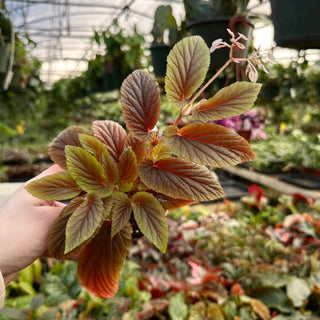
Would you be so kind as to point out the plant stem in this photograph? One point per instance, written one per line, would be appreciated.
(210, 81)
(201, 90)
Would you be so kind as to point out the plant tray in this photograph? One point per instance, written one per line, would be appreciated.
(233, 190)
(307, 181)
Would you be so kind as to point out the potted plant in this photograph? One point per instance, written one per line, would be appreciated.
(164, 22)
(296, 23)
(5, 43)
(123, 53)
(19, 78)
(121, 183)
(210, 19)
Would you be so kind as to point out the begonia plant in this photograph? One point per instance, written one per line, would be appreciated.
(120, 182)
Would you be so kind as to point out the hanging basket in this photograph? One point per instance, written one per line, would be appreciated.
(296, 23)
(159, 54)
(211, 30)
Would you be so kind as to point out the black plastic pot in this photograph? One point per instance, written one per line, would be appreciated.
(269, 92)
(159, 54)
(296, 23)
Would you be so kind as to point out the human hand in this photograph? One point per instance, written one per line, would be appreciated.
(25, 222)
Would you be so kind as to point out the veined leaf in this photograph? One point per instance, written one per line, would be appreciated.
(58, 186)
(69, 136)
(112, 135)
(178, 178)
(188, 63)
(57, 235)
(151, 219)
(140, 100)
(168, 203)
(85, 222)
(230, 101)
(121, 212)
(93, 146)
(159, 152)
(102, 259)
(298, 291)
(87, 171)
(110, 168)
(138, 147)
(107, 206)
(209, 144)
(128, 169)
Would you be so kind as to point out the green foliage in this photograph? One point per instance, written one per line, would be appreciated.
(132, 179)
(121, 51)
(296, 149)
(5, 28)
(164, 21)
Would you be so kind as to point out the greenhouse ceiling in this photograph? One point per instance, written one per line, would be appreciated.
(62, 29)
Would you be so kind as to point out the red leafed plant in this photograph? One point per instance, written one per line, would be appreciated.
(121, 184)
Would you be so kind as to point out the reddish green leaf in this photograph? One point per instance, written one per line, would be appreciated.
(57, 235)
(169, 203)
(93, 146)
(102, 259)
(107, 206)
(230, 101)
(208, 144)
(128, 169)
(69, 136)
(188, 63)
(121, 212)
(58, 186)
(138, 147)
(87, 171)
(110, 168)
(151, 219)
(140, 100)
(178, 178)
(112, 135)
(85, 222)
(160, 152)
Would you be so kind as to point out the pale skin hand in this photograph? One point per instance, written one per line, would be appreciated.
(25, 222)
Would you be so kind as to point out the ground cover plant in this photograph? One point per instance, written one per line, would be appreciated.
(224, 261)
(121, 185)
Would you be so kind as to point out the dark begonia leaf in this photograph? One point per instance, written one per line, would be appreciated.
(209, 144)
(178, 178)
(140, 100)
(187, 66)
(58, 186)
(87, 171)
(230, 101)
(69, 136)
(138, 147)
(112, 135)
(57, 235)
(121, 212)
(151, 219)
(101, 260)
(85, 222)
